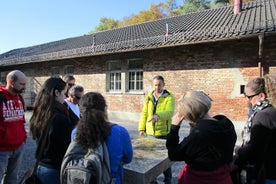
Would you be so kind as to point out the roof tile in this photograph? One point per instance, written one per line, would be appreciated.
(208, 25)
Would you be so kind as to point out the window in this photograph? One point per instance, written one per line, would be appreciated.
(55, 71)
(115, 81)
(114, 76)
(3, 78)
(69, 69)
(62, 70)
(125, 75)
(242, 89)
(135, 75)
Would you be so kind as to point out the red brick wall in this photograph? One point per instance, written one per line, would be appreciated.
(217, 68)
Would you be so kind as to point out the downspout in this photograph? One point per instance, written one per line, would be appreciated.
(260, 62)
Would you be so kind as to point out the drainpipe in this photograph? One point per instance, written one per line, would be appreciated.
(237, 6)
(261, 46)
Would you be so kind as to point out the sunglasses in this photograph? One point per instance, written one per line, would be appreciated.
(71, 84)
(77, 97)
(251, 96)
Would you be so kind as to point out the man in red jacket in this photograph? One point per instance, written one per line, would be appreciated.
(12, 130)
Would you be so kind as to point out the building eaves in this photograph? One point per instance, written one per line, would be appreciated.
(206, 26)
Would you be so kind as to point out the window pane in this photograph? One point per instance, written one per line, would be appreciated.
(69, 69)
(135, 80)
(114, 65)
(56, 71)
(115, 81)
(135, 64)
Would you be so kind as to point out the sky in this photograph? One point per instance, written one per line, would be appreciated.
(25, 23)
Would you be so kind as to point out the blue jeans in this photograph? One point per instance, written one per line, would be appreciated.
(48, 175)
(10, 162)
(267, 181)
(167, 173)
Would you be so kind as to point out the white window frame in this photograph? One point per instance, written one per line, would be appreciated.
(124, 71)
(135, 81)
(114, 84)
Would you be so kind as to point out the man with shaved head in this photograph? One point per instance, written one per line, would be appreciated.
(12, 130)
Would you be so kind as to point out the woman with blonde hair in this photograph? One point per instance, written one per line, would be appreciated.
(208, 149)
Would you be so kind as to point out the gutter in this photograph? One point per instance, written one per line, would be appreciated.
(86, 51)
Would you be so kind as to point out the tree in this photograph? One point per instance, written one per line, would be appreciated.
(194, 5)
(171, 9)
(158, 11)
(106, 24)
(155, 12)
(226, 2)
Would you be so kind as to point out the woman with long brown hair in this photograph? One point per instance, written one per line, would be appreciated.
(50, 113)
(94, 128)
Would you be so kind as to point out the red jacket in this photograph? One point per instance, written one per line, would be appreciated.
(12, 120)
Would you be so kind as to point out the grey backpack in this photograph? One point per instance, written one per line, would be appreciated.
(82, 166)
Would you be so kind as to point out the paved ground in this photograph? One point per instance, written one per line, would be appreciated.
(28, 158)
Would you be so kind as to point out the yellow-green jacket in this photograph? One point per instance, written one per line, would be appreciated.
(164, 109)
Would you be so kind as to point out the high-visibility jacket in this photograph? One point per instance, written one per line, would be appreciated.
(164, 108)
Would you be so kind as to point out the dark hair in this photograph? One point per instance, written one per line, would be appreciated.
(93, 126)
(75, 89)
(257, 85)
(68, 77)
(159, 77)
(44, 104)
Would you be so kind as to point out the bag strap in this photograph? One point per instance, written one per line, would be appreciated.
(45, 135)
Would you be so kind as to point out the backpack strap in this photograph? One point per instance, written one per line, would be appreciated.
(106, 160)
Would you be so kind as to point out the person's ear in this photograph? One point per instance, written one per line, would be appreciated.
(57, 93)
(263, 96)
(10, 81)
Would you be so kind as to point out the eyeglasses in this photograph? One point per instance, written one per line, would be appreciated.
(77, 97)
(71, 84)
(251, 96)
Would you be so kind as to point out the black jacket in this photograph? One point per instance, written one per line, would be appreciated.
(262, 145)
(73, 117)
(209, 145)
(58, 139)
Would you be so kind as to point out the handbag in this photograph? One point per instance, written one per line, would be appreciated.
(180, 178)
(30, 176)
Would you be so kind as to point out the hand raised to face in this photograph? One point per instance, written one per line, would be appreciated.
(177, 119)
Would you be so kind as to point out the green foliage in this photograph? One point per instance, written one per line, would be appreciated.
(221, 1)
(106, 24)
(155, 12)
(171, 9)
(194, 6)
(158, 11)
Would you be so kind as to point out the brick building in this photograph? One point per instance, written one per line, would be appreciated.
(214, 50)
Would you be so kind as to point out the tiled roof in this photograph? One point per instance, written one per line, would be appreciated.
(209, 25)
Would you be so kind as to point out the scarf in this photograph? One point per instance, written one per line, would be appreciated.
(248, 125)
